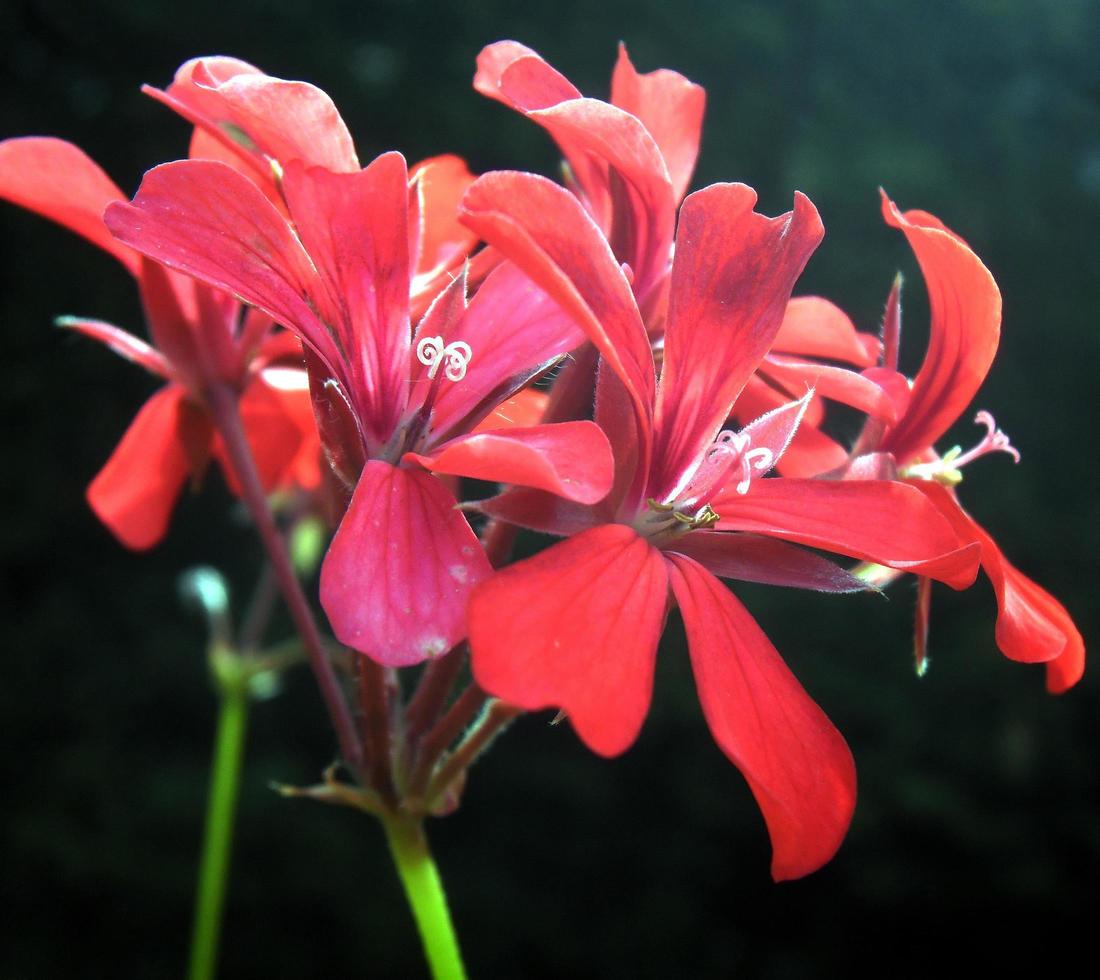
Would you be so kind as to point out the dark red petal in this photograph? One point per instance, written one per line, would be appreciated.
(576, 628)
(355, 229)
(398, 573)
(671, 109)
(886, 522)
(814, 327)
(1032, 626)
(570, 459)
(797, 764)
(752, 558)
(274, 435)
(136, 490)
(538, 510)
(966, 328)
(121, 342)
(59, 181)
(731, 280)
(208, 221)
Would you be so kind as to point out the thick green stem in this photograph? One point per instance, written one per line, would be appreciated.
(424, 890)
(225, 777)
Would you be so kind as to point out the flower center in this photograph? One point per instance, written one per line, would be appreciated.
(947, 469)
(455, 356)
(662, 523)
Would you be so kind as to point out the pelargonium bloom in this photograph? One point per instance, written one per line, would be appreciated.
(392, 408)
(200, 337)
(577, 626)
(1032, 626)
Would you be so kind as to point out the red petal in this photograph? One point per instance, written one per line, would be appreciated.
(731, 280)
(966, 327)
(886, 522)
(398, 573)
(546, 86)
(441, 241)
(524, 409)
(355, 229)
(59, 181)
(136, 490)
(121, 342)
(576, 628)
(814, 327)
(751, 558)
(538, 510)
(1032, 626)
(570, 459)
(274, 435)
(797, 764)
(860, 391)
(671, 109)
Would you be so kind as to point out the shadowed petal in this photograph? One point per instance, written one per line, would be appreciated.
(121, 342)
(571, 459)
(797, 764)
(397, 575)
(136, 490)
(576, 628)
(876, 395)
(814, 327)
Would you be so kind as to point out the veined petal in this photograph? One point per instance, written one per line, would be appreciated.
(966, 327)
(671, 109)
(889, 523)
(1032, 626)
(123, 343)
(398, 573)
(731, 281)
(570, 459)
(205, 219)
(61, 182)
(538, 510)
(797, 764)
(136, 490)
(814, 327)
(576, 628)
(753, 558)
(355, 229)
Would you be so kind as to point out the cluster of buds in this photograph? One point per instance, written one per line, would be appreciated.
(625, 362)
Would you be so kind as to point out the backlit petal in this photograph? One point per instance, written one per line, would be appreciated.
(814, 327)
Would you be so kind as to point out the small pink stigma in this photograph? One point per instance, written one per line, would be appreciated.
(995, 441)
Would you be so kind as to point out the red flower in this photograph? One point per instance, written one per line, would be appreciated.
(200, 337)
(577, 626)
(391, 407)
(1032, 626)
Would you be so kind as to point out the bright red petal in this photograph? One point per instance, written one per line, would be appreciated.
(61, 182)
(136, 490)
(671, 109)
(398, 573)
(731, 280)
(797, 764)
(889, 523)
(274, 435)
(966, 328)
(522, 410)
(570, 459)
(441, 241)
(814, 327)
(860, 391)
(576, 628)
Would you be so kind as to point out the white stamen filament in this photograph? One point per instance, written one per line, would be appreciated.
(455, 356)
(760, 459)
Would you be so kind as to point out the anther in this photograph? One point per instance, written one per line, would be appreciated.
(455, 356)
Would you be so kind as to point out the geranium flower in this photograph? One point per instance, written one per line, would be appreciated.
(392, 408)
(577, 626)
(200, 337)
(1032, 626)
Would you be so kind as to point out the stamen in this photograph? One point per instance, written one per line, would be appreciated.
(432, 352)
(995, 441)
(760, 459)
(947, 469)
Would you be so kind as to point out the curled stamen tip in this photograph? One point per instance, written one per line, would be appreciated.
(996, 440)
(455, 356)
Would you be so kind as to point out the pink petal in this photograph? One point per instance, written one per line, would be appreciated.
(576, 628)
(59, 181)
(398, 573)
(671, 109)
(355, 229)
(797, 764)
(731, 280)
(570, 459)
(889, 523)
(136, 490)
(966, 327)
(545, 85)
(121, 342)
(752, 558)
(814, 327)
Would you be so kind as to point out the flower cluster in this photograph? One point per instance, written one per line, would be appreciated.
(624, 362)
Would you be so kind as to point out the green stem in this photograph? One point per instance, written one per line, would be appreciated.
(225, 776)
(424, 890)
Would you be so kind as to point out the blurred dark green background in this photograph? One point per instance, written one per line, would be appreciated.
(976, 843)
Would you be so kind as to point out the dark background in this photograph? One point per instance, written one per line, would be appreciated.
(976, 842)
